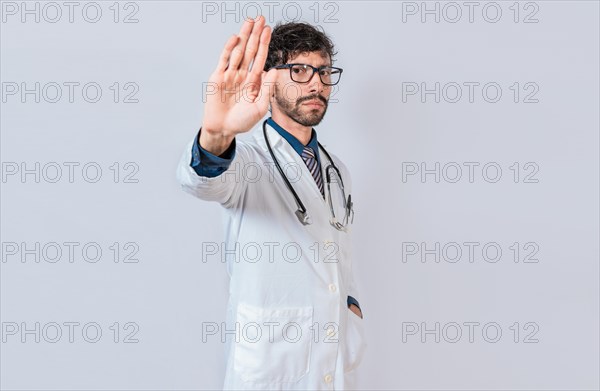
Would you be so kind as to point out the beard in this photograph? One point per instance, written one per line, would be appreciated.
(305, 116)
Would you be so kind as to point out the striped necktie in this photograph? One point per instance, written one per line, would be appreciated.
(308, 155)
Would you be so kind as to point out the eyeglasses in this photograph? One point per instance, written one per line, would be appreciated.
(303, 73)
(341, 207)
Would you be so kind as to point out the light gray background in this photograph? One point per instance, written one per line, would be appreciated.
(170, 53)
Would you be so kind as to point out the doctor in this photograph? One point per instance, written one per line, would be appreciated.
(293, 319)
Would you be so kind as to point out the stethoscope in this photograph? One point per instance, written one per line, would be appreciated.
(301, 212)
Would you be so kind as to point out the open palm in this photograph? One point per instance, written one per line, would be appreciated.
(241, 90)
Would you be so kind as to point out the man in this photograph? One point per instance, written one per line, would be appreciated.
(293, 302)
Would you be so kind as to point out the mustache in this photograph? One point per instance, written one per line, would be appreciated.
(312, 97)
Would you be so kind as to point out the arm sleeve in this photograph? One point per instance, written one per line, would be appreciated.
(352, 300)
(352, 286)
(221, 182)
(207, 164)
(352, 291)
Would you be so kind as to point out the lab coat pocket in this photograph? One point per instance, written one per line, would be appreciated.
(274, 343)
(355, 342)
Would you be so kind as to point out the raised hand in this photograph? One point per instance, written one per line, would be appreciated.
(239, 96)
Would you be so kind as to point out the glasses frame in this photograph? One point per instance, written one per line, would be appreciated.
(349, 214)
(314, 69)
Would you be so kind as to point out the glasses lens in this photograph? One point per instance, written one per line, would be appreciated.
(301, 73)
(330, 76)
(337, 196)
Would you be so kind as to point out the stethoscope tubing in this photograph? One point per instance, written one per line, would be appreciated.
(301, 208)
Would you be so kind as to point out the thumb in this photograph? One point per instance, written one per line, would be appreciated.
(267, 89)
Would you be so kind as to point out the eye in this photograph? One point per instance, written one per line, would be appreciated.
(299, 69)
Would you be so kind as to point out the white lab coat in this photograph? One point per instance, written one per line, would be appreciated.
(288, 320)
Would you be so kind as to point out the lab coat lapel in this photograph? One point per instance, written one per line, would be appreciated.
(305, 185)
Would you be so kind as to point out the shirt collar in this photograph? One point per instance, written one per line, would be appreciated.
(293, 141)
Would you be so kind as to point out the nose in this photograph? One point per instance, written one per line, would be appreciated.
(315, 84)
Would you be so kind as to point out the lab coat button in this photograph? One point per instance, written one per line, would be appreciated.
(332, 287)
(328, 378)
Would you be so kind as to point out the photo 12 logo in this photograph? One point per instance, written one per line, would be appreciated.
(469, 12)
(69, 252)
(68, 172)
(270, 252)
(469, 252)
(470, 332)
(69, 332)
(271, 332)
(470, 92)
(69, 92)
(469, 172)
(69, 12)
(288, 11)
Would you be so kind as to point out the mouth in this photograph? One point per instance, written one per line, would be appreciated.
(313, 103)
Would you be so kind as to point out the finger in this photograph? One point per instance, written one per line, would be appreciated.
(263, 51)
(267, 89)
(224, 59)
(238, 50)
(253, 42)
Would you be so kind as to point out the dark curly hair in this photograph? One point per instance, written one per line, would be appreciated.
(290, 39)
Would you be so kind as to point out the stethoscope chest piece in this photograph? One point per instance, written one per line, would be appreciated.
(303, 217)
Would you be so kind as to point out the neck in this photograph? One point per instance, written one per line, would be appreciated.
(301, 132)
